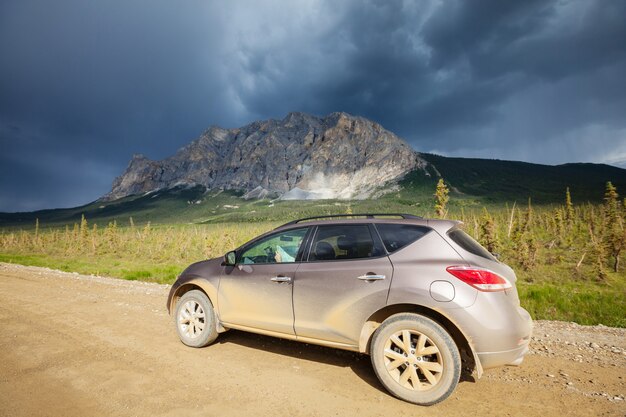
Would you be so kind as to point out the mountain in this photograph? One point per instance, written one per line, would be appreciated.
(300, 157)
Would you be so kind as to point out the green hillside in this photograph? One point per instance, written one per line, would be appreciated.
(495, 181)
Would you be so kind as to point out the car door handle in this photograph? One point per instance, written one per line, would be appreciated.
(281, 279)
(371, 277)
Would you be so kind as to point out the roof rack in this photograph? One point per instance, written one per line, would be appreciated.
(366, 215)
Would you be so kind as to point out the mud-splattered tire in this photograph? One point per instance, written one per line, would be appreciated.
(195, 320)
(415, 359)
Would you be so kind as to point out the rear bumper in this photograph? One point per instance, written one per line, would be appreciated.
(507, 357)
(515, 356)
(498, 331)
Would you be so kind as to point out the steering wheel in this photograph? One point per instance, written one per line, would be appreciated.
(270, 253)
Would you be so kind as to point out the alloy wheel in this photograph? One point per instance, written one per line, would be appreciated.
(191, 319)
(413, 360)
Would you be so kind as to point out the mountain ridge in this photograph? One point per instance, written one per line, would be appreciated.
(299, 157)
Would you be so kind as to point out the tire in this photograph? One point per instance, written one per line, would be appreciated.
(419, 379)
(195, 319)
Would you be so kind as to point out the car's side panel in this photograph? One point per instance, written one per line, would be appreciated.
(420, 264)
(321, 342)
(249, 297)
(332, 303)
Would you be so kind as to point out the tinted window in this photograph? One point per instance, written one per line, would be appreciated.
(281, 247)
(469, 244)
(344, 242)
(397, 236)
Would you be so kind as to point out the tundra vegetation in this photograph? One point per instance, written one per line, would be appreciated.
(569, 257)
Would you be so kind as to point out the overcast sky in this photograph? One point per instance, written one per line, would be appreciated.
(85, 84)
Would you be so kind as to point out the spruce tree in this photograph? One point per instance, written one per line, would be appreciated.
(524, 244)
(615, 235)
(598, 254)
(488, 236)
(94, 237)
(558, 222)
(569, 208)
(441, 198)
(611, 200)
(84, 230)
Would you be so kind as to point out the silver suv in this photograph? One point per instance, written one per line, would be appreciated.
(420, 296)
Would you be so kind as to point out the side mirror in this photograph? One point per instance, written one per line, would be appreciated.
(230, 258)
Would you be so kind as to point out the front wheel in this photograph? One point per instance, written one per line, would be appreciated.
(195, 319)
(415, 359)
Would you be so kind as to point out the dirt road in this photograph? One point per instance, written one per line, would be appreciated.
(74, 345)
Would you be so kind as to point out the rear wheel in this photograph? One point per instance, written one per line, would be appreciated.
(415, 359)
(195, 319)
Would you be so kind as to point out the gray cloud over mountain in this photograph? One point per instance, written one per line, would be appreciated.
(84, 85)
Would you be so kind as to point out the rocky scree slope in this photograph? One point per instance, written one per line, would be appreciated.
(299, 157)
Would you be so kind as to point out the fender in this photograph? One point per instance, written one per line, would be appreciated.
(191, 282)
(439, 316)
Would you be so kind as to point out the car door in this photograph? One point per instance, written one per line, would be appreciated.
(256, 293)
(345, 279)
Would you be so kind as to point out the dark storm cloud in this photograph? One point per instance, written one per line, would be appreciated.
(84, 85)
(491, 79)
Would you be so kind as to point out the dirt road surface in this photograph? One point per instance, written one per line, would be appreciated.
(75, 345)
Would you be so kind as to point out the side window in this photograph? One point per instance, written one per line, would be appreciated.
(397, 236)
(469, 244)
(344, 242)
(281, 247)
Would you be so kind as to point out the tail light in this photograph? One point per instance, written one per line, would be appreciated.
(479, 278)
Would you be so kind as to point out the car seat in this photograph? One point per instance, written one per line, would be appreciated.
(324, 251)
(348, 244)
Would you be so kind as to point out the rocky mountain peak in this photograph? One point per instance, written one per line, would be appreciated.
(300, 156)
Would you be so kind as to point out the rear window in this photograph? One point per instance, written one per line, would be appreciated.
(397, 236)
(469, 244)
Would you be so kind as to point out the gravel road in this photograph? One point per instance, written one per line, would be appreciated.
(76, 345)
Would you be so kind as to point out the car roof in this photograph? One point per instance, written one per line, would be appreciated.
(441, 225)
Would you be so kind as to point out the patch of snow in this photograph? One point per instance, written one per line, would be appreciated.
(259, 192)
(300, 194)
(150, 192)
(184, 184)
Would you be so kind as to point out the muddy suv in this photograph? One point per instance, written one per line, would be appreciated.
(420, 296)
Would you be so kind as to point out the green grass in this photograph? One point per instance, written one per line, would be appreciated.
(126, 269)
(147, 253)
(586, 303)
